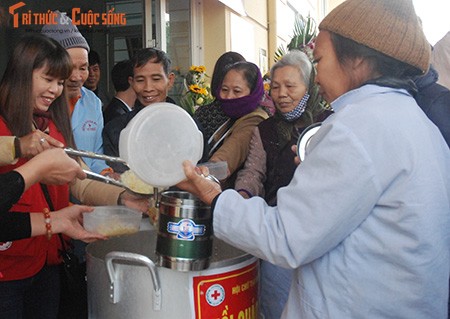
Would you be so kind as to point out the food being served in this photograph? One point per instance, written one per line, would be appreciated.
(133, 182)
(117, 228)
(112, 220)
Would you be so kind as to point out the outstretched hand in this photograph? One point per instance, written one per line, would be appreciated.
(297, 160)
(196, 183)
(69, 221)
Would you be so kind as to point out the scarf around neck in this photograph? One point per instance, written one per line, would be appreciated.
(298, 110)
(41, 119)
(236, 108)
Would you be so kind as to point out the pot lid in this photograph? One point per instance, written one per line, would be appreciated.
(157, 141)
(304, 139)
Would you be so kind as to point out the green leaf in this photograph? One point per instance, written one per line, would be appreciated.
(279, 53)
(304, 32)
(187, 103)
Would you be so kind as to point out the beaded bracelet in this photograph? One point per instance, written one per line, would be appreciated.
(48, 223)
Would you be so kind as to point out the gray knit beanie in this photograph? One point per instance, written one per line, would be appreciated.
(65, 33)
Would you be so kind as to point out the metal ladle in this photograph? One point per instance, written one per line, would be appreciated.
(80, 153)
(98, 177)
(109, 180)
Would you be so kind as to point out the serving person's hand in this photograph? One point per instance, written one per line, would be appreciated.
(196, 183)
(37, 142)
(52, 166)
(135, 201)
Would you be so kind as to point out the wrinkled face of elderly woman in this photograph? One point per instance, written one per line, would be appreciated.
(287, 88)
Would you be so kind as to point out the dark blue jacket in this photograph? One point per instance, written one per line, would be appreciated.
(434, 99)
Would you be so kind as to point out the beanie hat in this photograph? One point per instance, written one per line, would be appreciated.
(65, 33)
(387, 26)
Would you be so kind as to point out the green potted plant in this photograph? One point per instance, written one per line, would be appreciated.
(305, 32)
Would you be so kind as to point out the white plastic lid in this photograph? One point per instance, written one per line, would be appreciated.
(304, 139)
(157, 141)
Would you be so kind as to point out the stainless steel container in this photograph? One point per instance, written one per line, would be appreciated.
(184, 232)
(124, 282)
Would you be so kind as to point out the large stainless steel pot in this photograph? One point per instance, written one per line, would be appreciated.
(124, 282)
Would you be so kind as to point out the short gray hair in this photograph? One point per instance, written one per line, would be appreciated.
(297, 59)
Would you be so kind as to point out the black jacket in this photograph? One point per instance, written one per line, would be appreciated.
(434, 99)
(114, 109)
(13, 226)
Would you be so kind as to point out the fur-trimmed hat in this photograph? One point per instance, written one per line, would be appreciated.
(65, 32)
(388, 26)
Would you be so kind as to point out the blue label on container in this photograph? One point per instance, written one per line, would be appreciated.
(186, 229)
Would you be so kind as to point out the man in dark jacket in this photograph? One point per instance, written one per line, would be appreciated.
(125, 98)
(151, 81)
(434, 99)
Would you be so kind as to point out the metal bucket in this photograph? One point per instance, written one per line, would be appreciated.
(124, 282)
(184, 232)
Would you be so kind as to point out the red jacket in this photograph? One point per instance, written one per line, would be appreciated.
(24, 258)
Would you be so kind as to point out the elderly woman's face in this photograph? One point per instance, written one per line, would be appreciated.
(333, 79)
(287, 88)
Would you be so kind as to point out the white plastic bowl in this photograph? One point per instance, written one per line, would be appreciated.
(112, 220)
(157, 141)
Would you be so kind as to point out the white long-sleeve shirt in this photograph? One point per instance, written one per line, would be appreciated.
(365, 221)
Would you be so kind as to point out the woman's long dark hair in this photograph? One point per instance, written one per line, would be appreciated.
(33, 52)
(222, 62)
